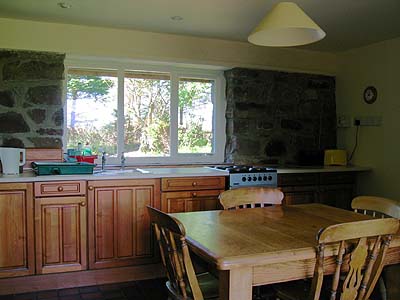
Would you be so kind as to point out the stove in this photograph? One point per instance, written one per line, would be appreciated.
(246, 176)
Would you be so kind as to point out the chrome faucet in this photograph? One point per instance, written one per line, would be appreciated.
(103, 160)
(123, 159)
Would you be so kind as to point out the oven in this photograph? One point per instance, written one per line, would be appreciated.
(249, 176)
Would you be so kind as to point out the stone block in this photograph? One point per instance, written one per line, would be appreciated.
(12, 122)
(49, 131)
(12, 142)
(241, 126)
(58, 117)
(275, 147)
(246, 146)
(7, 99)
(48, 95)
(291, 124)
(29, 65)
(37, 115)
(46, 142)
(264, 124)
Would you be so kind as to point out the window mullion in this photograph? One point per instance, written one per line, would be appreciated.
(174, 114)
(120, 113)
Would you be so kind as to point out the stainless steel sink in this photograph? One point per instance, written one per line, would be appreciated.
(120, 172)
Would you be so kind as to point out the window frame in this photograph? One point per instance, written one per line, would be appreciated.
(176, 72)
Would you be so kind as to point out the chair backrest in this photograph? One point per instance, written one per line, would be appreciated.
(250, 197)
(376, 206)
(362, 249)
(170, 234)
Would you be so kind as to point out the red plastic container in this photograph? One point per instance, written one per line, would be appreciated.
(86, 158)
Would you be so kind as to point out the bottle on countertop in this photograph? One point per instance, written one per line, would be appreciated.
(79, 149)
(87, 151)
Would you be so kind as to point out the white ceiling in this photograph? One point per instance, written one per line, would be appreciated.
(348, 23)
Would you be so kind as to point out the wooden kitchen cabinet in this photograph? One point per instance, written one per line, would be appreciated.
(331, 188)
(299, 194)
(337, 189)
(299, 188)
(60, 226)
(16, 230)
(120, 231)
(191, 193)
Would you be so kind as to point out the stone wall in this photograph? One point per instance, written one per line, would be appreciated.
(31, 109)
(279, 118)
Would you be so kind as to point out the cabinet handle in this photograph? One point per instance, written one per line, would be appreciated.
(194, 183)
(60, 188)
(82, 204)
(90, 188)
(194, 194)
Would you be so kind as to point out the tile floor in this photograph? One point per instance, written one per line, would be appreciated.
(138, 290)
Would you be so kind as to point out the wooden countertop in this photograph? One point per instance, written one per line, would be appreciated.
(161, 172)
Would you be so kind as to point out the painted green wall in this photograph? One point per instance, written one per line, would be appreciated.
(379, 147)
(139, 45)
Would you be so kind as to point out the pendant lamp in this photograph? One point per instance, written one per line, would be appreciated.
(286, 25)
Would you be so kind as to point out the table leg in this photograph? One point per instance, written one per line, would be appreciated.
(236, 284)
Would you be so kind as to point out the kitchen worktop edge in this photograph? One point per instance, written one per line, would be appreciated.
(30, 176)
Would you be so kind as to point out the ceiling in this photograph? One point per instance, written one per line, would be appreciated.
(348, 23)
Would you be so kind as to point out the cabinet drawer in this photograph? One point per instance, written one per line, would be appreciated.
(60, 188)
(172, 202)
(337, 178)
(297, 179)
(192, 183)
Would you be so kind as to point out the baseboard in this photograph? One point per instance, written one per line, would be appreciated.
(35, 283)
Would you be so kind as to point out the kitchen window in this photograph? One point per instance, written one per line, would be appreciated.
(153, 114)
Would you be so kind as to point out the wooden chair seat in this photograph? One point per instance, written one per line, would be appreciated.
(362, 245)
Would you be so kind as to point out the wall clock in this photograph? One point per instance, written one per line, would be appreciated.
(370, 94)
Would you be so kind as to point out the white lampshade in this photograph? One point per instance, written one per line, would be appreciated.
(284, 26)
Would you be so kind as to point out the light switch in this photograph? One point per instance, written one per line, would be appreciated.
(343, 121)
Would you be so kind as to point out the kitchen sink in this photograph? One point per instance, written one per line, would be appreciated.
(120, 172)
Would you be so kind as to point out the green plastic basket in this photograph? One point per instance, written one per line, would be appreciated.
(65, 168)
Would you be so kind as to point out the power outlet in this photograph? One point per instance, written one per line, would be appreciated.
(368, 120)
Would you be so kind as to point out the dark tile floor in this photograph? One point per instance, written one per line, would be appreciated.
(137, 290)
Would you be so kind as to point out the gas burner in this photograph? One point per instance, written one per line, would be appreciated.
(242, 175)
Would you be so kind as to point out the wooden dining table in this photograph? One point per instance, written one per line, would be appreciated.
(258, 246)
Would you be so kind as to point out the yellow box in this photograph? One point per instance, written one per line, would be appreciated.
(334, 157)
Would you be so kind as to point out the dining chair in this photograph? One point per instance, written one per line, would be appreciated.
(376, 206)
(183, 283)
(359, 250)
(380, 207)
(250, 197)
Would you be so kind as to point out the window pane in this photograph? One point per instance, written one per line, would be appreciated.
(195, 128)
(147, 114)
(92, 109)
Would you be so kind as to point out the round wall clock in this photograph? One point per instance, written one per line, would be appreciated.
(370, 94)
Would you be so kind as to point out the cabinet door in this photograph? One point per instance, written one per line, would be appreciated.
(16, 230)
(172, 202)
(119, 225)
(299, 195)
(338, 195)
(60, 234)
